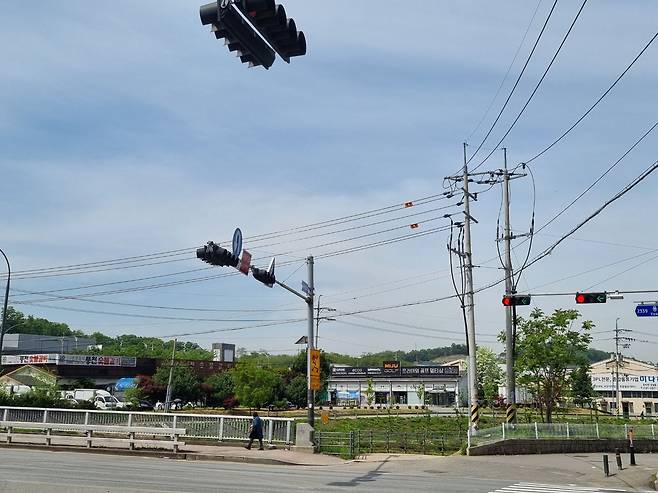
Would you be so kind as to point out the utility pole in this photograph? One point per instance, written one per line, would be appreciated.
(625, 343)
(509, 289)
(310, 303)
(171, 375)
(317, 319)
(469, 303)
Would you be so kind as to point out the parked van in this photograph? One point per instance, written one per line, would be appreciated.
(101, 398)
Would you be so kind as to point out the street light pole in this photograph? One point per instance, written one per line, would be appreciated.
(4, 310)
(310, 304)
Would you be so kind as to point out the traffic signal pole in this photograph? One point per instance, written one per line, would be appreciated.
(509, 288)
(310, 304)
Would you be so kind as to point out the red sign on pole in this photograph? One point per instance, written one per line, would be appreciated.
(245, 262)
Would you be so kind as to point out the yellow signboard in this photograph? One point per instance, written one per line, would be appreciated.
(315, 369)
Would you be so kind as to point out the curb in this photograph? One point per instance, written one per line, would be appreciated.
(190, 456)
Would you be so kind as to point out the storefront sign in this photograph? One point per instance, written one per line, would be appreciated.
(391, 372)
(627, 381)
(69, 359)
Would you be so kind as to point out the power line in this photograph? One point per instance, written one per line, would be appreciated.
(532, 94)
(616, 197)
(603, 175)
(516, 83)
(584, 115)
(509, 69)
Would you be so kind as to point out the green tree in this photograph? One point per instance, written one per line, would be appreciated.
(296, 391)
(221, 387)
(370, 392)
(546, 348)
(582, 390)
(184, 383)
(420, 392)
(489, 373)
(257, 387)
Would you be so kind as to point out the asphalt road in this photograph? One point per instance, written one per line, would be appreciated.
(32, 471)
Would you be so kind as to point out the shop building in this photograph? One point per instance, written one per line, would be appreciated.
(393, 384)
(638, 386)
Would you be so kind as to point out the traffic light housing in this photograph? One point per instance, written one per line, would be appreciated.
(239, 35)
(516, 299)
(216, 255)
(266, 277)
(591, 298)
(272, 21)
(255, 29)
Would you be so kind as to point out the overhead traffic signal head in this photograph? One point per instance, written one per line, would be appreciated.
(272, 21)
(591, 298)
(255, 29)
(263, 276)
(516, 299)
(229, 23)
(216, 255)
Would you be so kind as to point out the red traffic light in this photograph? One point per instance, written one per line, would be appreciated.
(591, 298)
(516, 299)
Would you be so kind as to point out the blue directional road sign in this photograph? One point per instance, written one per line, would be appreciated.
(237, 242)
(646, 310)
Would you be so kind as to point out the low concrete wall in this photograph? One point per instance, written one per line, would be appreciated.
(547, 446)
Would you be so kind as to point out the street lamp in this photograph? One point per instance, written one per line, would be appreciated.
(4, 310)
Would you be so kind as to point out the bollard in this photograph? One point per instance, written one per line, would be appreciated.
(606, 466)
(618, 457)
(632, 450)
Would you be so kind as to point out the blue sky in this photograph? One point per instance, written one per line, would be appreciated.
(130, 130)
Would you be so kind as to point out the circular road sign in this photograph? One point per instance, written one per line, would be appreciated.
(237, 242)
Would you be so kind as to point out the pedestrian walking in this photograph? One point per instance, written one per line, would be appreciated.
(255, 432)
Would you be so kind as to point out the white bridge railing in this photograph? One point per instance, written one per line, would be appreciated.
(206, 426)
(547, 431)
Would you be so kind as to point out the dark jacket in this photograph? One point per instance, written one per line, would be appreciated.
(256, 428)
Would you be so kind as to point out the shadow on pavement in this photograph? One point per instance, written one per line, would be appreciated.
(366, 478)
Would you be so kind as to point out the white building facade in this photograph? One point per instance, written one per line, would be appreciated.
(638, 386)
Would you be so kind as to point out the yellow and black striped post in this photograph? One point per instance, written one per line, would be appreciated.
(475, 416)
(511, 413)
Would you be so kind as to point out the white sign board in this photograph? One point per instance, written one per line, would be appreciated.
(627, 381)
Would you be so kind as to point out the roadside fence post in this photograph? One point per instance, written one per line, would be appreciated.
(221, 428)
(287, 432)
(536, 431)
(503, 426)
(606, 466)
(86, 417)
(45, 415)
(270, 430)
(130, 419)
(653, 433)
(568, 436)
(597, 431)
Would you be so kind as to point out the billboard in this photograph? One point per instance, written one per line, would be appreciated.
(69, 359)
(391, 372)
(627, 381)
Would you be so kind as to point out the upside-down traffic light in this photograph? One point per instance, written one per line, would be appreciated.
(255, 29)
(264, 276)
(216, 255)
(591, 298)
(516, 299)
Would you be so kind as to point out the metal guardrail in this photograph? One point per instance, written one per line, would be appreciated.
(206, 426)
(547, 431)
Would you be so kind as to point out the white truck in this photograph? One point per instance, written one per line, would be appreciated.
(101, 398)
